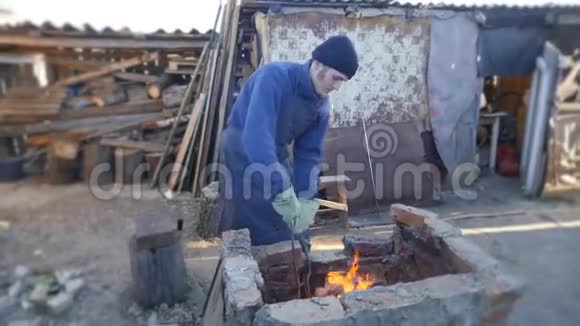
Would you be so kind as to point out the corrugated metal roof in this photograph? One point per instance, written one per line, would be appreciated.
(50, 29)
(433, 4)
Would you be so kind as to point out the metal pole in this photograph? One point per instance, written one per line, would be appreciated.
(186, 97)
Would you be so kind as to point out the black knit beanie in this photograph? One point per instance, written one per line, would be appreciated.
(337, 52)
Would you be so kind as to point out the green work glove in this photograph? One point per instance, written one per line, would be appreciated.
(286, 204)
(308, 209)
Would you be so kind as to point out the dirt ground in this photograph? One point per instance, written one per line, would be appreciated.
(67, 227)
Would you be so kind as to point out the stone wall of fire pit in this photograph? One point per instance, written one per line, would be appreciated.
(424, 273)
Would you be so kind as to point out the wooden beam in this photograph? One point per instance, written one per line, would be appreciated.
(84, 65)
(156, 88)
(187, 138)
(332, 204)
(106, 70)
(103, 43)
(121, 109)
(145, 146)
(45, 139)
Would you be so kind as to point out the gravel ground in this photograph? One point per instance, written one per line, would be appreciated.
(54, 227)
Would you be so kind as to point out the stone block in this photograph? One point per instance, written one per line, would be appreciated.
(411, 216)
(325, 311)
(15, 289)
(59, 303)
(442, 229)
(367, 246)
(443, 300)
(323, 262)
(503, 289)
(279, 253)
(74, 286)
(235, 243)
(466, 256)
(39, 293)
(276, 262)
(242, 295)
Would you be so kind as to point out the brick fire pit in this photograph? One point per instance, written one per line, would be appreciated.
(425, 273)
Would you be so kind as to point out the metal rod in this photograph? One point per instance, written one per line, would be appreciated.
(370, 163)
(186, 97)
(184, 102)
(296, 278)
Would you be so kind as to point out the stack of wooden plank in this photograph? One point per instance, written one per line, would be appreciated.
(31, 104)
(127, 115)
(111, 107)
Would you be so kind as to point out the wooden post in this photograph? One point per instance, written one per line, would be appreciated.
(128, 165)
(63, 164)
(157, 263)
(96, 156)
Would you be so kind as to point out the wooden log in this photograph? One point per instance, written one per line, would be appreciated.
(332, 205)
(97, 159)
(66, 149)
(129, 167)
(62, 163)
(135, 77)
(155, 89)
(105, 70)
(136, 93)
(157, 265)
(45, 139)
(173, 95)
(128, 108)
(159, 124)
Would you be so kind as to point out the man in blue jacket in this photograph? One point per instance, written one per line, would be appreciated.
(282, 103)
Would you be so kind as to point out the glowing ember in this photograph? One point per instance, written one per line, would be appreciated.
(351, 281)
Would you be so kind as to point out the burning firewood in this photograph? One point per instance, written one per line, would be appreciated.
(340, 282)
(329, 290)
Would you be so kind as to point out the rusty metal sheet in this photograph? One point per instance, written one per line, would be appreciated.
(396, 165)
(390, 85)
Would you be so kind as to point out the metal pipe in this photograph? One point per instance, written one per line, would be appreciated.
(530, 121)
(538, 137)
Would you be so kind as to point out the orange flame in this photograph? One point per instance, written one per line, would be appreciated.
(351, 281)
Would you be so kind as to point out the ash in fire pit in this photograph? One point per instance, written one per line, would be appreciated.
(424, 273)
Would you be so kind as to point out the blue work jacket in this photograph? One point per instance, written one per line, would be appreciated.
(276, 107)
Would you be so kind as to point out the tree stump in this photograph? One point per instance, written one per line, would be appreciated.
(157, 264)
(129, 165)
(95, 158)
(63, 164)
